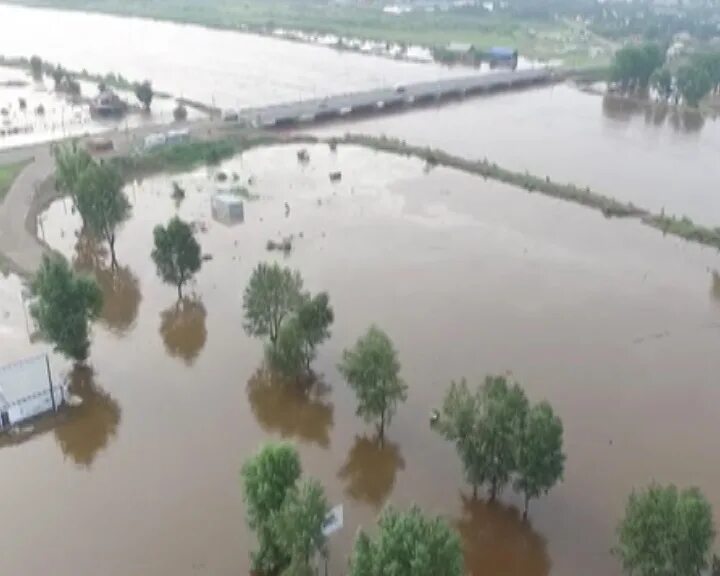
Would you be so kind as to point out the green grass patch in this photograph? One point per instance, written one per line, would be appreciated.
(8, 173)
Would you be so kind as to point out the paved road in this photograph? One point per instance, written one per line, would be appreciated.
(19, 247)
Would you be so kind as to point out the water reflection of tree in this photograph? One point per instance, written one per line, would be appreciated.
(715, 286)
(292, 408)
(183, 329)
(91, 425)
(496, 540)
(370, 469)
(120, 287)
(625, 109)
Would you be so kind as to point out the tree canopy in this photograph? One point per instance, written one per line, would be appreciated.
(298, 524)
(634, 65)
(272, 294)
(287, 518)
(500, 438)
(408, 544)
(372, 370)
(485, 427)
(540, 458)
(70, 164)
(36, 67)
(102, 202)
(176, 253)
(65, 305)
(666, 532)
(144, 93)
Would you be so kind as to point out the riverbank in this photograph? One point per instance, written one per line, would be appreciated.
(354, 26)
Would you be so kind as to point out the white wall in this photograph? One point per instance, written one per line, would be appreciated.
(35, 405)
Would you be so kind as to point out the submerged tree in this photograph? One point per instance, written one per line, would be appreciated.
(71, 162)
(176, 253)
(666, 532)
(298, 525)
(287, 518)
(102, 203)
(408, 544)
(36, 67)
(372, 370)
(144, 93)
(272, 294)
(485, 426)
(540, 457)
(301, 334)
(65, 305)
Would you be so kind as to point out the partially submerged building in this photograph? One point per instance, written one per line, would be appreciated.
(227, 208)
(108, 104)
(27, 390)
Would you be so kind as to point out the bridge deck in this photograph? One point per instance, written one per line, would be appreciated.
(407, 95)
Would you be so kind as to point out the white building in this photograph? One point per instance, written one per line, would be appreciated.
(227, 208)
(27, 390)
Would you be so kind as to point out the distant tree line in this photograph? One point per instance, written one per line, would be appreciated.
(636, 68)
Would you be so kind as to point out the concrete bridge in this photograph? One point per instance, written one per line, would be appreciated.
(319, 109)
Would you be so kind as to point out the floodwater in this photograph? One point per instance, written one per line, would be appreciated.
(654, 157)
(616, 325)
(61, 116)
(225, 68)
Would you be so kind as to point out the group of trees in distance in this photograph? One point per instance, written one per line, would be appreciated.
(501, 438)
(637, 67)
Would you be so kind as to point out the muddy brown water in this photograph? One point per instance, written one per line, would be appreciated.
(657, 157)
(617, 326)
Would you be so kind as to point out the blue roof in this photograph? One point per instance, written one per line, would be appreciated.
(502, 52)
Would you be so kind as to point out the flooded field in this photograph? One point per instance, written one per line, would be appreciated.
(227, 69)
(467, 276)
(61, 117)
(658, 159)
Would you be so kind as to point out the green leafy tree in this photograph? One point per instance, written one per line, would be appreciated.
(71, 162)
(408, 544)
(298, 525)
(65, 305)
(634, 65)
(267, 478)
(301, 334)
(666, 532)
(36, 67)
(144, 93)
(58, 75)
(176, 253)
(540, 457)
(102, 203)
(693, 83)
(485, 426)
(272, 294)
(372, 370)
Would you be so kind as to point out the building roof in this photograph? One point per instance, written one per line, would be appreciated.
(22, 379)
(460, 47)
(227, 198)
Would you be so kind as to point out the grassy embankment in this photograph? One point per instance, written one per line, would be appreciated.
(544, 39)
(193, 154)
(8, 173)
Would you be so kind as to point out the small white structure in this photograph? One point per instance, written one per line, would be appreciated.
(227, 208)
(177, 136)
(154, 141)
(27, 390)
